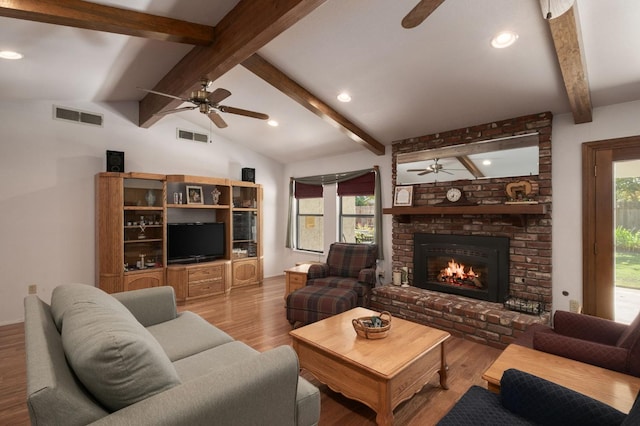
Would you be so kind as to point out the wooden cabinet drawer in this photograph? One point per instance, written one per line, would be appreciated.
(206, 281)
(205, 273)
(298, 280)
(206, 287)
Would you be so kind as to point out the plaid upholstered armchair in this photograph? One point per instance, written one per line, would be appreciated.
(351, 266)
(589, 339)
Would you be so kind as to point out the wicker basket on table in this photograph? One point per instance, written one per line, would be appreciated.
(364, 326)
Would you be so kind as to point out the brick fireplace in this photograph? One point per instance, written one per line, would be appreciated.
(529, 239)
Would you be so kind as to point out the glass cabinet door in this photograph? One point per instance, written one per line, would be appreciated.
(143, 224)
(244, 234)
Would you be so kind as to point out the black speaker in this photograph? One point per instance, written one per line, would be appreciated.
(115, 161)
(249, 175)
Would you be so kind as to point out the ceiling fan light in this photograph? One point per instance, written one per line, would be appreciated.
(9, 54)
(504, 39)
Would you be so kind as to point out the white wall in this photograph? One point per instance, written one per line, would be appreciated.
(343, 163)
(47, 170)
(567, 138)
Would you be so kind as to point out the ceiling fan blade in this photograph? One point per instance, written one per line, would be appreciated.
(217, 120)
(244, 112)
(426, 172)
(171, 111)
(218, 95)
(444, 171)
(416, 170)
(420, 12)
(163, 94)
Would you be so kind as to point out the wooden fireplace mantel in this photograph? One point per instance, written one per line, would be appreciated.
(520, 210)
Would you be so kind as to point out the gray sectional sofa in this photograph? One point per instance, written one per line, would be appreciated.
(132, 359)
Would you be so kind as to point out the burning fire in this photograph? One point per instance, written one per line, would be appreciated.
(455, 273)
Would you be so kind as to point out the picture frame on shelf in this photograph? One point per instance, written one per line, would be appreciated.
(194, 195)
(403, 196)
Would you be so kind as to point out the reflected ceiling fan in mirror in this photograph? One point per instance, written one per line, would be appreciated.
(208, 103)
(420, 12)
(434, 168)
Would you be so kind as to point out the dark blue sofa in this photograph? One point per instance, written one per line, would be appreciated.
(525, 399)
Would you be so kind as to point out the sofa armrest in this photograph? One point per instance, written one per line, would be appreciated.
(543, 402)
(587, 327)
(605, 356)
(318, 270)
(150, 306)
(258, 390)
(368, 276)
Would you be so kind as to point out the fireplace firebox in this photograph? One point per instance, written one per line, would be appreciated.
(467, 265)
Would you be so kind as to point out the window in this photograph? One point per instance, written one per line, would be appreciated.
(357, 224)
(310, 221)
(354, 214)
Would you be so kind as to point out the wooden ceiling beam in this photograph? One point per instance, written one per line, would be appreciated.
(272, 75)
(567, 39)
(245, 29)
(92, 16)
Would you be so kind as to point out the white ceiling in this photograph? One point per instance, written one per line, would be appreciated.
(439, 76)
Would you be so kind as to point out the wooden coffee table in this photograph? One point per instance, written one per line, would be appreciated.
(615, 389)
(380, 373)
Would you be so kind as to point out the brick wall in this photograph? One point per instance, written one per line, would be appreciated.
(530, 245)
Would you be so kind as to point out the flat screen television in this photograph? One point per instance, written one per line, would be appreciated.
(195, 242)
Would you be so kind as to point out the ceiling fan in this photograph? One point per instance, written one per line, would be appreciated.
(420, 12)
(435, 168)
(209, 104)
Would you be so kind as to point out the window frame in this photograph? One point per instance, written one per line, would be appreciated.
(342, 215)
(299, 215)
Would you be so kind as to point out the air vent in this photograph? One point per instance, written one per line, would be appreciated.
(192, 136)
(77, 116)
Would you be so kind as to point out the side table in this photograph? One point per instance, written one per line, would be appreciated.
(295, 278)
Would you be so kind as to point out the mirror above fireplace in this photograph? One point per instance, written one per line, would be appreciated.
(495, 158)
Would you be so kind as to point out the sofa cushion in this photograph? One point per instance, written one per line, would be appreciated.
(177, 344)
(112, 354)
(66, 296)
(479, 407)
(546, 403)
(210, 360)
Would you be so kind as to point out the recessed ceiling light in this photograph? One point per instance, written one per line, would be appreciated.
(8, 54)
(504, 39)
(344, 97)
(273, 123)
(486, 162)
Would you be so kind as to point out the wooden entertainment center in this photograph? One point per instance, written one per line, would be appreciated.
(132, 213)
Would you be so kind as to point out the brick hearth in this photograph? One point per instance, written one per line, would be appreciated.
(479, 321)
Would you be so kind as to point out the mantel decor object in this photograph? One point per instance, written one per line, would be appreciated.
(520, 192)
(403, 196)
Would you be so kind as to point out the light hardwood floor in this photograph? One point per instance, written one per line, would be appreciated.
(256, 316)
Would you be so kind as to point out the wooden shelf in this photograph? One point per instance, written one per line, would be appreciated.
(479, 209)
(405, 213)
(197, 206)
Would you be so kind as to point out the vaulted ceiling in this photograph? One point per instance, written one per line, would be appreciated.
(291, 58)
